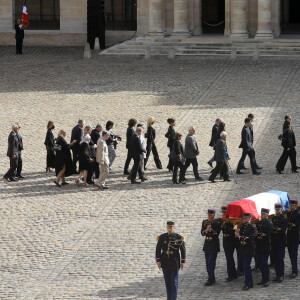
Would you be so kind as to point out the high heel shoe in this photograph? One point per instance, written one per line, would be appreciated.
(295, 171)
(279, 172)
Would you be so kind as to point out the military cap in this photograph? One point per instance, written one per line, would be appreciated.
(247, 215)
(170, 223)
(295, 202)
(265, 210)
(278, 205)
(224, 208)
(211, 211)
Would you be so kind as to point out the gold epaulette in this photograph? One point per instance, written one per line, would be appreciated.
(183, 238)
(157, 238)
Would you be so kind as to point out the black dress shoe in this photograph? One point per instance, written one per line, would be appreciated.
(13, 179)
(266, 284)
(257, 173)
(199, 179)
(260, 283)
(144, 179)
(6, 178)
(135, 182)
(65, 183)
(280, 279)
(212, 180)
(20, 177)
(208, 283)
(279, 172)
(90, 182)
(182, 182)
(175, 182)
(293, 275)
(227, 179)
(246, 288)
(126, 173)
(210, 164)
(230, 279)
(244, 168)
(295, 171)
(258, 168)
(239, 172)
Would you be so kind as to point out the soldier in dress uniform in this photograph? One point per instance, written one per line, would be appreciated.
(229, 244)
(168, 258)
(293, 236)
(211, 245)
(246, 235)
(263, 246)
(278, 242)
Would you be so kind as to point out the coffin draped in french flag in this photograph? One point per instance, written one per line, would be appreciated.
(255, 203)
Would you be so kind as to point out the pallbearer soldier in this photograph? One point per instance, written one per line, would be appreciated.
(293, 236)
(278, 242)
(211, 245)
(168, 258)
(263, 246)
(246, 235)
(229, 244)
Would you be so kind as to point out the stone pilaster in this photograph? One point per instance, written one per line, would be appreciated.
(6, 19)
(155, 18)
(197, 15)
(239, 19)
(264, 20)
(276, 14)
(181, 18)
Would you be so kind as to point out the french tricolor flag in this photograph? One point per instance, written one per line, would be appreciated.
(25, 20)
(255, 203)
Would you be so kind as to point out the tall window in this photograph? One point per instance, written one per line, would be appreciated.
(120, 14)
(43, 14)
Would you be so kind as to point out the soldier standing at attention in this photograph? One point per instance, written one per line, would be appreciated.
(263, 246)
(229, 244)
(211, 245)
(246, 235)
(168, 258)
(293, 236)
(278, 242)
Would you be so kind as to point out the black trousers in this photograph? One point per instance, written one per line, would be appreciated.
(284, 157)
(50, 158)
(128, 160)
(155, 155)
(251, 155)
(221, 168)
(137, 167)
(181, 166)
(170, 163)
(19, 44)
(94, 168)
(194, 162)
(13, 167)
(75, 159)
(20, 165)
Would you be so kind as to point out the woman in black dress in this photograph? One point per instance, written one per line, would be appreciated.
(289, 151)
(49, 143)
(130, 132)
(177, 159)
(170, 135)
(151, 144)
(63, 160)
(84, 159)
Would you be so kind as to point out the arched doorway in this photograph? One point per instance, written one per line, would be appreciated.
(213, 16)
(290, 16)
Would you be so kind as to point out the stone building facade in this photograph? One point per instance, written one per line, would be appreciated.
(236, 19)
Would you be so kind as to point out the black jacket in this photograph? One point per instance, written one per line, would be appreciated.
(176, 150)
(288, 139)
(84, 151)
(150, 136)
(278, 237)
(95, 136)
(136, 147)
(49, 140)
(212, 243)
(293, 227)
(167, 251)
(129, 133)
(170, 135)
(214, 135)
(262, 240)
(76, 135)
(229, 239)
(247, 139)
(13, 144)
(19, 32)
(247, 236)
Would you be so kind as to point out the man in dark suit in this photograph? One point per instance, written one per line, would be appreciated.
(12, 153)
(95, 136)
(19, 36)
(247, 146)
(21, 148)
(221, 156)
(137, 152)
(77, 134)
(214, 138)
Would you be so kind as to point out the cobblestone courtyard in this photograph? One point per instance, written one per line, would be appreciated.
(76, 243)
